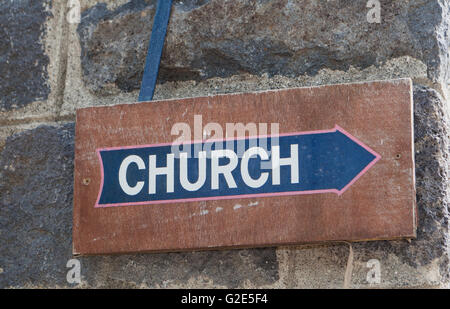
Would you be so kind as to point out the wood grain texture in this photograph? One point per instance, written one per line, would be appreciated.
(379, 205)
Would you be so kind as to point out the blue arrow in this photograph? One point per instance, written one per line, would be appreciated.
(329, 161)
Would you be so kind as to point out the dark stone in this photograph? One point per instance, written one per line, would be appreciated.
(36, 192)
(23, 62)
(221, 38)
(36, 169)
(429, 21)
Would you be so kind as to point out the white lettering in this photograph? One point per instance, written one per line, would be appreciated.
(184, 179)
(153, 171)
(277, 162)
(123, 175)
(225, 170)
(249, 181)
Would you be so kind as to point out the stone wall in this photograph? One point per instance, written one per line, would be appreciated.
(50, 67)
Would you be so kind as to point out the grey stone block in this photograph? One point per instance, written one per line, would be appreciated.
(221, 38)
(23, 62)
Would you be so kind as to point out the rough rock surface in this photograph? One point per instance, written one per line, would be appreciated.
(36, 191)
(23, 62)
(225, 37)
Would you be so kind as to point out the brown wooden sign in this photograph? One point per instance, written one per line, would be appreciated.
(280, 167)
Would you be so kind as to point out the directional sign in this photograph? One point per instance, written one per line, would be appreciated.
(310, 163)
(270, 168)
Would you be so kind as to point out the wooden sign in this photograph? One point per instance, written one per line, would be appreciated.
(278, 167)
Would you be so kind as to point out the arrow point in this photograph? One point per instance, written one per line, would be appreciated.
(357, 141)
(377, 157)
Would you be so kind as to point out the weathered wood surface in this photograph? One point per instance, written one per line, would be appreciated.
(379, 205)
